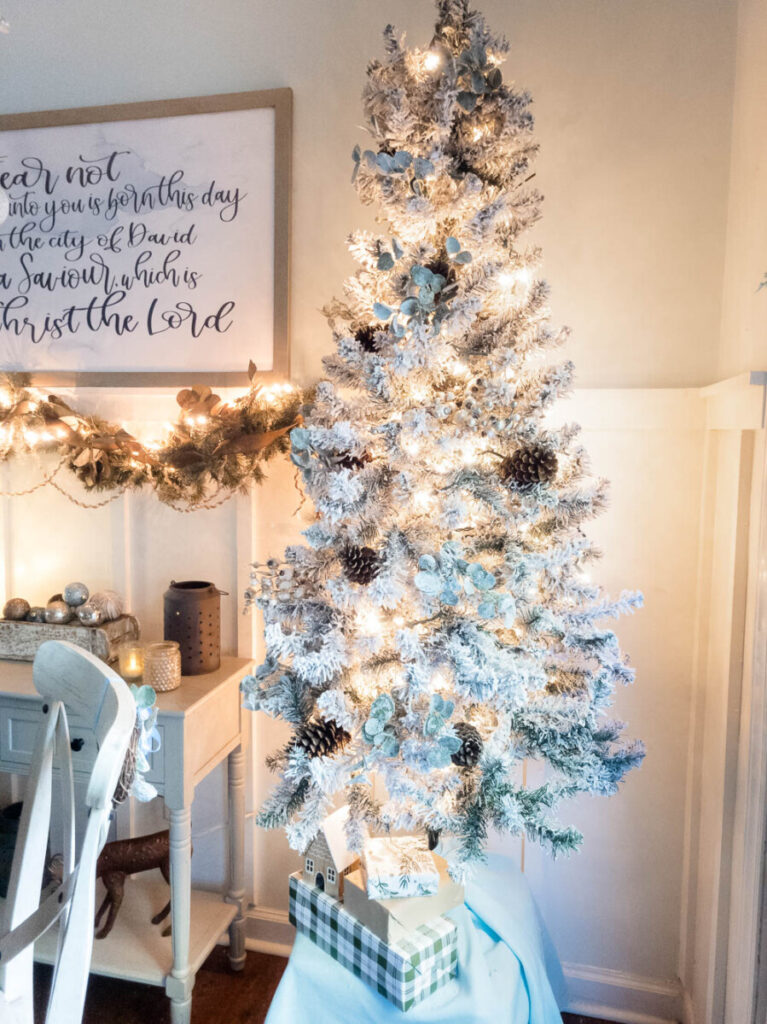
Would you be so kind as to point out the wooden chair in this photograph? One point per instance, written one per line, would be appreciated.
(71, 682)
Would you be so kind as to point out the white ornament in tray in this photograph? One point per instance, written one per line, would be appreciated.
(109, 603)
(399, 866)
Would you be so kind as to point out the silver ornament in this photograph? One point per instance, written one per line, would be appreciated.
(58, 613)
(109, 603)
(36, 614)
(89, 615)
(75, 594)
(16, 609)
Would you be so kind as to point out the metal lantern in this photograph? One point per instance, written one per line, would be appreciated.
(193, 620)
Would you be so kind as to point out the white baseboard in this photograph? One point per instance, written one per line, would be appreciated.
(268, 930)
(619, 996)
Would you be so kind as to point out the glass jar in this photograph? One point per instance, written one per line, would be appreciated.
(162, 666)
(130, 656)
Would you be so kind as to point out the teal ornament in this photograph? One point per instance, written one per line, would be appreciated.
(382, 707)
(428, 583)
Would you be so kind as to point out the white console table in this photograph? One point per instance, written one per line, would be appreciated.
(200, 725)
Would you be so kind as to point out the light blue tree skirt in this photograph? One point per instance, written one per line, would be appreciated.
(508, 970)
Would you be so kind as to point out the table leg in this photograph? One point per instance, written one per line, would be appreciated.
(236, 893)
(180, 982)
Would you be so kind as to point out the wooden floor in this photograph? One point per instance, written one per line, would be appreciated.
(220, 996)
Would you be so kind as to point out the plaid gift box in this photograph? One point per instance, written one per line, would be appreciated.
(405, 971)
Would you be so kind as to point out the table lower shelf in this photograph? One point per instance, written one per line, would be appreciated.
(136, 949)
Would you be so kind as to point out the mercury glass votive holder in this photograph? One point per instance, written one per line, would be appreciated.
(130, 656)
(162, 666)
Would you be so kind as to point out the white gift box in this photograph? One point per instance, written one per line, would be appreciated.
(399, 866)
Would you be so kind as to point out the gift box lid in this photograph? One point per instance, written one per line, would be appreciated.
(397, 867)
(404, 971)
(390, 918)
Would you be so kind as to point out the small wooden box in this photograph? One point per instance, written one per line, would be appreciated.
(19, 640)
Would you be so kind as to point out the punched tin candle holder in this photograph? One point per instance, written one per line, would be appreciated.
(193, 620)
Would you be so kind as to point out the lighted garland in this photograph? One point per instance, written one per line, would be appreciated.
(214, 449)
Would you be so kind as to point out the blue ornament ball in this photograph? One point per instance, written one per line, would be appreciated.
(76, 594)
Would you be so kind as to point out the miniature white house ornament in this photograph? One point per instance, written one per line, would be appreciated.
(327, 858)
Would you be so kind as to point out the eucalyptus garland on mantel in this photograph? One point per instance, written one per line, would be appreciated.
(214, 449)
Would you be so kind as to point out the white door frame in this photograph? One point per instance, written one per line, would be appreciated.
(750, 823)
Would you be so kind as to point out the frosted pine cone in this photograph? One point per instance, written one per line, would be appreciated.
(471, 746)
(320, 738)
(366, 336)
(345, 460)
(535, 464)
(361, 565)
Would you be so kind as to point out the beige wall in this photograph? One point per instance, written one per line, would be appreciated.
(633, 105)
(633, 100)
(744, 321)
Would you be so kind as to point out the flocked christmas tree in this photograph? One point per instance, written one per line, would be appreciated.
(439, 627)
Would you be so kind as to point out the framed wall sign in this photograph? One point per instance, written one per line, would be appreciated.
(147, 243)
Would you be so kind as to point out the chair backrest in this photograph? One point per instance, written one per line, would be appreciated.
(71, 682)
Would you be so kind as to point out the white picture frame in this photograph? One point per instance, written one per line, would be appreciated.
(222, 300)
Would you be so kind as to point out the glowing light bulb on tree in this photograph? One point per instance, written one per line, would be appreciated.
(423, 500)
(369, 620)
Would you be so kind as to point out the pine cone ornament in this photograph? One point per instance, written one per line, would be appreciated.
(320, 738)
(535, 464)
(471, 746)
(366, 336)
(345, 460)
(361, 565)
(432, 838)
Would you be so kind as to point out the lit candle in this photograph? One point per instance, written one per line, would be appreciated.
(131, 658)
